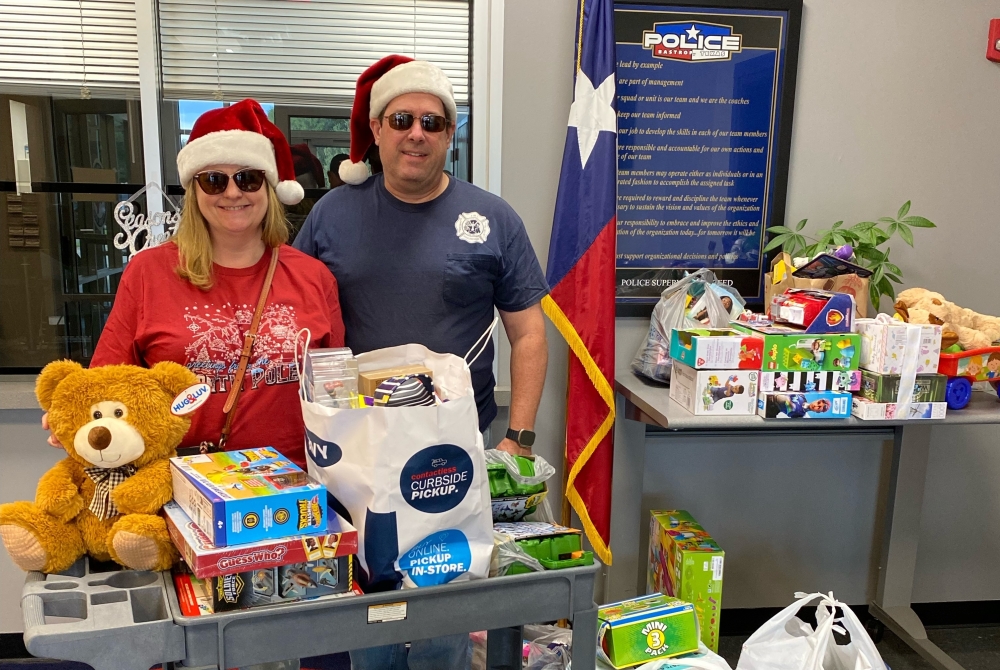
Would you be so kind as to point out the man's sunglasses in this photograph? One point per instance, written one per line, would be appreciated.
(432, 123)
(213, 182)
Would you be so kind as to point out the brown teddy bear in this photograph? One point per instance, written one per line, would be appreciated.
(116, 425)
(967, 328)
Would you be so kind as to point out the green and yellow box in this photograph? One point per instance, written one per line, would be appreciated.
(686, 563)
(792, 350)
(645, 629)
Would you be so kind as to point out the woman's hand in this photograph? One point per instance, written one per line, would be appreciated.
(53, 441)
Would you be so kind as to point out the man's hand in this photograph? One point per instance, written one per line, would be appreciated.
(53, 441)
(513, 448)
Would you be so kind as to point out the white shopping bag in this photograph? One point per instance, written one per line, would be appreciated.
(788, 643)
(412, 480)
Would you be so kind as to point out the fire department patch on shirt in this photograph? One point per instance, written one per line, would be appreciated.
(472, 227)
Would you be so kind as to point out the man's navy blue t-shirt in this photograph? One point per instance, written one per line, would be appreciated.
(428, 273)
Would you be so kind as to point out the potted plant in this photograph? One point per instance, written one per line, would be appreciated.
(866, 238)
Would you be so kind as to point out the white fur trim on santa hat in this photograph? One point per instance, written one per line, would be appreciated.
(228, 147)
(289, 192)
(353, 173)
(417, 76)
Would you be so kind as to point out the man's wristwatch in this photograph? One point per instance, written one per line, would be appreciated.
(525, 438)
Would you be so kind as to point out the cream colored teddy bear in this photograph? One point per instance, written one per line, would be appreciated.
(963, 326)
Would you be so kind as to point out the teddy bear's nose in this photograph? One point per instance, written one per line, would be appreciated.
(99, 437)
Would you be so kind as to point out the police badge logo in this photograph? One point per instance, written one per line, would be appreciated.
(472, 227)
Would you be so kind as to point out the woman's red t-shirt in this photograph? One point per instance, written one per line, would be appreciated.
(157, 316)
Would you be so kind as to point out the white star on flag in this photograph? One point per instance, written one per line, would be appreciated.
(592, 112)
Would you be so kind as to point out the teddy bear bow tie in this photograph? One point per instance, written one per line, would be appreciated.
(105, 481)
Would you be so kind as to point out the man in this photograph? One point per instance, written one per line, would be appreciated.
(422, 257)
(333, 174)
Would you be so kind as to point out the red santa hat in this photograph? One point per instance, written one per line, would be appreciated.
(384, 81)
(240, 134)
(305, 162)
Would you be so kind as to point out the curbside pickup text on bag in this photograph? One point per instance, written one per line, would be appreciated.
(412, 479)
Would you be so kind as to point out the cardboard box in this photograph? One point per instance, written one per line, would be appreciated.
(716, 392)
(686, 563)
(793, 350)
(805, 405)
(848, 380)
(884, 411)
(239, 497)
(816, 312)
(370, 380)
(715, 349)
(645, 629)
(780, 278)
(883, 345)
(206, 560)
(885, 388)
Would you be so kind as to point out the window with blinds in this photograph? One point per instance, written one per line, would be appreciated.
(296, 52)
(69, 47)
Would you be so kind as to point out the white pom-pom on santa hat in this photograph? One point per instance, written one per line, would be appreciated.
(353, 173)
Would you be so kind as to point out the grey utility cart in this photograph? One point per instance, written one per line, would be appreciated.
(130, 620)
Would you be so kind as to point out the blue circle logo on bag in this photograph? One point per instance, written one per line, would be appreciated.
(437, 478)
(322, 452)
(437, 559)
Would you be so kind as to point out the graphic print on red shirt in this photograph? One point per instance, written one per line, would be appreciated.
(159, 316)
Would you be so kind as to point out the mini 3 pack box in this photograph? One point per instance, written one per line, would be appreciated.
(732, 392)
(645, 629)
(805, 405)
(827, 380)
(686, 563)
(239, 497)
(715, 349)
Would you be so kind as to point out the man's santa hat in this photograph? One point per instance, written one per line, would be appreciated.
(240, 134)
(384, 81)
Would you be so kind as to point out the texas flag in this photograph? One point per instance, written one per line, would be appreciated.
(581, 271)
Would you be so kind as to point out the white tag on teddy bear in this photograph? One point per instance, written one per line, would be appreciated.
(190, 399)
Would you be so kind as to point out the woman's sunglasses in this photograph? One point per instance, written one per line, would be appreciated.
(213, 182)
(432, 123)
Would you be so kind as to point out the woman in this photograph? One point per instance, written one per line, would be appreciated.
(192, 299)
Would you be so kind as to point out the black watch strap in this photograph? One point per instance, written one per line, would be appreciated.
(525, 438)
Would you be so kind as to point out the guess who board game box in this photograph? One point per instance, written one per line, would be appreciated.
(206, 560)
(239, 497)
(686, 563)
(645, 629)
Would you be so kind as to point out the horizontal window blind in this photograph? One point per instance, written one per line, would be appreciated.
(303, 51)
(70, 47)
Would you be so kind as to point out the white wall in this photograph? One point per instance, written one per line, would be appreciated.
(895, 100)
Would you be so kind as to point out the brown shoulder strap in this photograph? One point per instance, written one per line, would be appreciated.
(241, 370)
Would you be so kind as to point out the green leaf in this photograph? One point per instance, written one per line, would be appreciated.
(839, 240)
(863, 225)
(918, 222)
(891, 291)
(778, 229)
(906, 233)
(775, 242)
(848, 235)
(893, 269)
(892, 277)
(801, 224)
(886, 219)
(892, 229)
(885, 287)
(838, 225)
(874, 295)
(880, 236)
(903, 210)
(879, 272)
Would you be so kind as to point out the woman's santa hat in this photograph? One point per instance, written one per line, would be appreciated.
(240, 134)
(384, 81)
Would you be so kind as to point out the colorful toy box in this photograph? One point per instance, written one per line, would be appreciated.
(718, 349)
(726, 392)
(805, 405)
(885, 388)
(867, 410)
(883, 345)
(645, 629)
(848, 380)
(792, 350)
(816, 312)
(239, 497)
(685, 562)
(511, 500)
(206, 560)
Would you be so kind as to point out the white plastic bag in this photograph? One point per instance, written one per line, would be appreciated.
(789, 643)
(412, 479)
(652, 360)
(549, 647)
(703, 659)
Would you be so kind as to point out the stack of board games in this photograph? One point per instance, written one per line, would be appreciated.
(715, 371)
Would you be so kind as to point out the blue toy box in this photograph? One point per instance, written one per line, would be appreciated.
(807, 405)
(239, 497)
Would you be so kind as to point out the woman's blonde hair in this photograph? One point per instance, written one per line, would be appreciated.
(194, 243)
